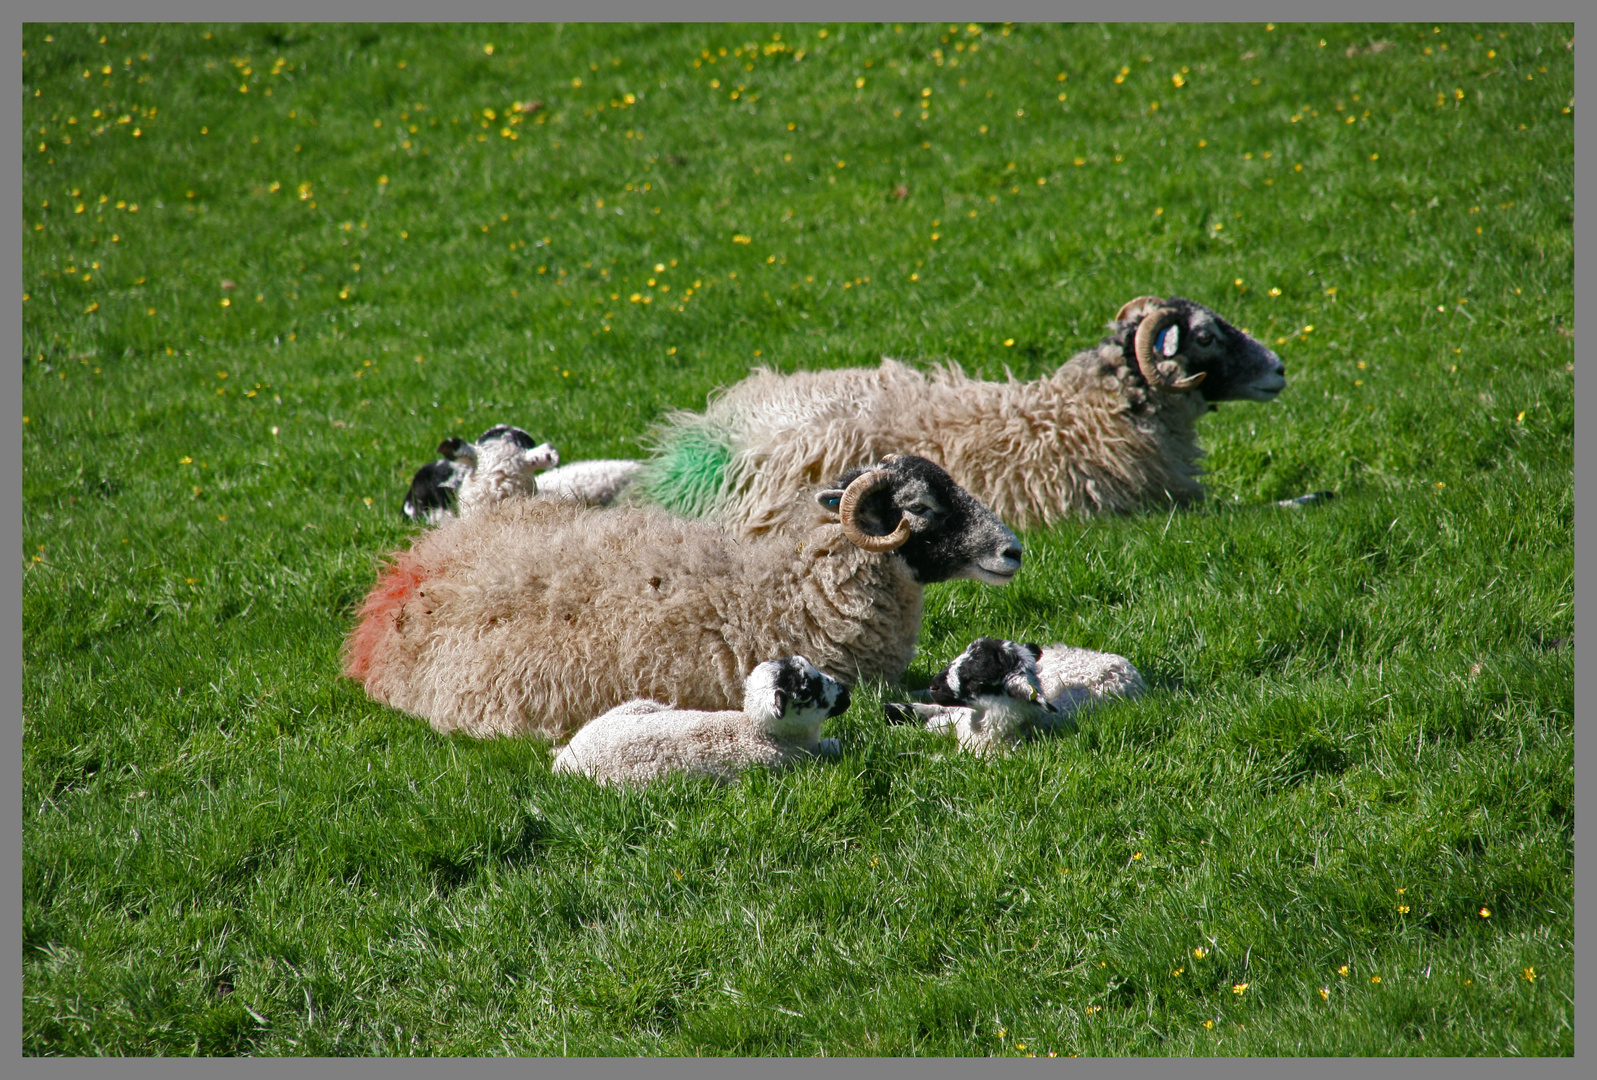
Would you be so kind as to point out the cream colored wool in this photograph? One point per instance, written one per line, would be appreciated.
(1081, 442)
(534, 616)
(1073, 678)
(642, 741)
(503, 470)
(992, 726)
(595, 482)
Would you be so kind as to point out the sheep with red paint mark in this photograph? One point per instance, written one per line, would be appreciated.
(534, 616)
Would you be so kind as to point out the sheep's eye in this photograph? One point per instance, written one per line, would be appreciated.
(919, 508)
(1204, 337)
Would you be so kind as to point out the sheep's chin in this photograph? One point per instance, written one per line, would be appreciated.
(1265, 389)
(991, 577)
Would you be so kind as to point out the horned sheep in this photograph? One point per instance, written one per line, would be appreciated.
(785, 703)
(1111, 430)
(535, 615)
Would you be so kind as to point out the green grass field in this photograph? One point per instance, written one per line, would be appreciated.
(267, 268)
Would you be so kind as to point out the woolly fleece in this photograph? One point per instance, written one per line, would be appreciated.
(533, 616)
(642, 741)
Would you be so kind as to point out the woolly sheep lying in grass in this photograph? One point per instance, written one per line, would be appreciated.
(784, 704)
(997, 694)
(535, 616)
(1111, 430)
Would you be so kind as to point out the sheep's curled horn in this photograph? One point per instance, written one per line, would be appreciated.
(1148, 331)
(863, 486)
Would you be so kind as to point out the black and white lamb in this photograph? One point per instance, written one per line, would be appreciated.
(503, 463)
(997, 694)
(785, 702)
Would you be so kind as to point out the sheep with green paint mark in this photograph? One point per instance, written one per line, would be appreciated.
(1111, 430)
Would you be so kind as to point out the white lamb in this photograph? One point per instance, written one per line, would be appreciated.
(470, 476)
(594, 482)
(784, 704)
(997, 694)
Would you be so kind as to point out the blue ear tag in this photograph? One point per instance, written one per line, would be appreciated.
(1170, 341)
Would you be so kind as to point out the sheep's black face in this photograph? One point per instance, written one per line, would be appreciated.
(989, 668)
(1238, 367)
(432, 491)
(952, 535)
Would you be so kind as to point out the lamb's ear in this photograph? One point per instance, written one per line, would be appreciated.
(779, 699)
(830, 499)
(1035, 650)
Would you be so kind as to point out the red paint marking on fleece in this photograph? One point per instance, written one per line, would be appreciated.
(397, 584)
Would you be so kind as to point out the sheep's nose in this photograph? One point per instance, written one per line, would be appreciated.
(1012, 552)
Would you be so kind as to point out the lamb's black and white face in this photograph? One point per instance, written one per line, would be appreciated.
(432, 491)
(952, 535)
(455, 448)
(504, 446)
(1238, 367)
(793, 693)
(990, 668)
(507, 433)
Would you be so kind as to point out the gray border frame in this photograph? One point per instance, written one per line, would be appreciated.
(757, 11)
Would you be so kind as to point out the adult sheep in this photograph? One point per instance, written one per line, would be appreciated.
(1111, 430)
(535, 615)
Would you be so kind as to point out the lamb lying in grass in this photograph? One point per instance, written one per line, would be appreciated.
(997, 694)
(501, 464)
(784, 704)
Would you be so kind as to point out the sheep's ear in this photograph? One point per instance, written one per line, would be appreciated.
(1134, 310)
(1035, 650)
(830, 498)
(779, 699)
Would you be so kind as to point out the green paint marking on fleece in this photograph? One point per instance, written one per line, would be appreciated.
(686, 475)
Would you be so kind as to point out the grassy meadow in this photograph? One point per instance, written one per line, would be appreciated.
(267, 268)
